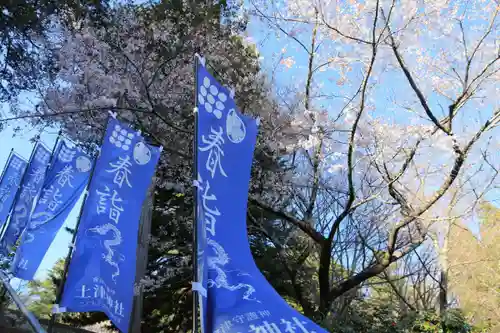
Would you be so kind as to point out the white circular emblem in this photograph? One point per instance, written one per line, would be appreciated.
(121, 138)
(83, 164)
(66, 154)
(142, 154)
(211, 98)
(235, 127)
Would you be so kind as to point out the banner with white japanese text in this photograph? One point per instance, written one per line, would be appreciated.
(63, 185)
(9, 184)
(101, 274)
(30, 188)
(239, 298)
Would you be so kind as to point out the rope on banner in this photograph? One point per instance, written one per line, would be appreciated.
(112, 114)
(200, 59)
(197, 286)
(58, 309)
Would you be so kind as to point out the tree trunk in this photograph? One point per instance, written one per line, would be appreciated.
(443, 280)
(443, 297)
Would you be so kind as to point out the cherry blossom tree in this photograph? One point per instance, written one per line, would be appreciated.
(141, 65)
(393, 100)
(25, 28)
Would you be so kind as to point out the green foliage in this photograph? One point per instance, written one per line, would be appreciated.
(367, 317)
(474, 272)
(43, 293)
(24, 28)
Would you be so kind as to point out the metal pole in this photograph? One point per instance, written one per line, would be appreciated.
(16, 197)
(196, 278)
(60, 288)
(52, 158)
(7, 163)
(31, 318)
(4, 170)
(2, 293)
(49, 166)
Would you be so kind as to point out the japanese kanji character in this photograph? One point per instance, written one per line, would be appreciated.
(47, 193)
(119, 308)
(213, 145)
(65, 176)
(115, 210)
(83, 291)
(264, 313)
(239, 319)
(251, 316)
(225, 327)
(99, 291)
(209, 213)
(55, 200)
(23, 264)
(109, 301)
(13, 181)
(102, 204)
(210, 221)
(271, 327)
(293, 327)
(265, 328)
(4, 192)
(121, 170)
(38, 175)
(28, 193)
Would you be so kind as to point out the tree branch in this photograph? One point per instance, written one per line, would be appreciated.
(326, 251)
(302, 225)
(413, 84)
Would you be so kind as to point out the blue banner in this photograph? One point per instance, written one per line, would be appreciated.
(31, 185)
(101, 275)
(9, 184)
(63, 185)
(239, 298)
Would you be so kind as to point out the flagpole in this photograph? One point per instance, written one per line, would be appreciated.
(22, 179)
(60, 288)
(47, 170)
(5, 169)
(16, 197)
(52, 157)
(32, 320)
(196, 278)
(4, 290)
(6, 163)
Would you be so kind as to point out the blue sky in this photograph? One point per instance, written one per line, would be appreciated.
(275, 46)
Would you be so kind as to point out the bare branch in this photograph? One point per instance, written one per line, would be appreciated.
(302, 225)
(414, 86)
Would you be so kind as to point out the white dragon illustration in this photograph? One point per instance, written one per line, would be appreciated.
(117, 240)
(21, 213)
(37, 220)
(216, 263)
